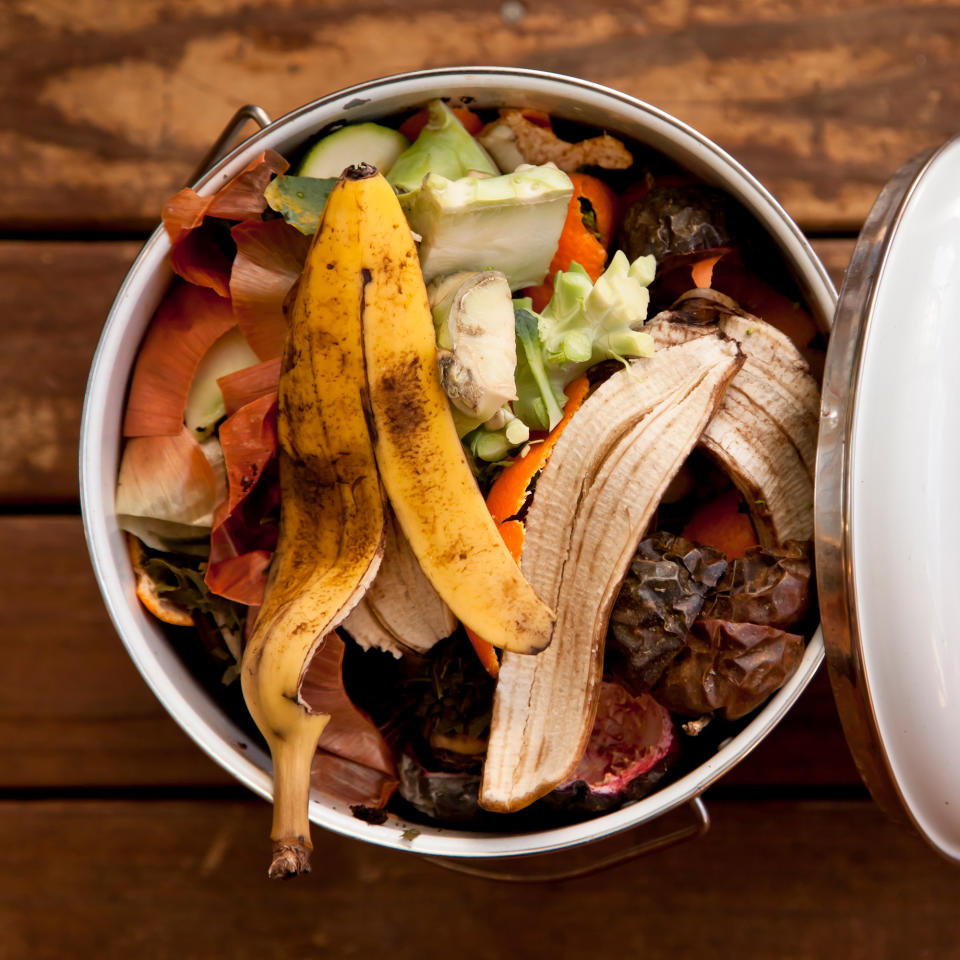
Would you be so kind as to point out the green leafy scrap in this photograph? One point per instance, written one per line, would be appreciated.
(182, 582)
(444, 147)
(540, 397)
(299, 200)
(587, 322)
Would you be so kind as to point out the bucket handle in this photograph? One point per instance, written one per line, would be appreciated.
(223, 143)
(471, 868)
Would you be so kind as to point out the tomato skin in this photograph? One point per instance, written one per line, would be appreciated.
(412, 126)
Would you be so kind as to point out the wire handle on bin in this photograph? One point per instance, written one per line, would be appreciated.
(698, 828)
(223, 143)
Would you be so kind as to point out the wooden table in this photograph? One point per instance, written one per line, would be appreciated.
(118, 838)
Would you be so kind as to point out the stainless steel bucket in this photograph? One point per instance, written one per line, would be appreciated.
(136, 301)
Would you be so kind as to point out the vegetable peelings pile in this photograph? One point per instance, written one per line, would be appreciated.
(406, 455)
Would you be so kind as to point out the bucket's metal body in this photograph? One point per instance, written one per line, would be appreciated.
(181, 694)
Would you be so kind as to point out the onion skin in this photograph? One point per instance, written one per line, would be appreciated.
(187, 323)
(241, 199)
(269, 261)
(167, 478)
(244, 386)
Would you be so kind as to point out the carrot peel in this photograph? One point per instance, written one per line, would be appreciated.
(702, 272)
(720, 523)
(509, 490)
(582, 240)
(508, 494)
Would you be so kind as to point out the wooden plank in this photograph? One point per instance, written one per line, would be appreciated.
(74, 711)
(154, 880)
(835, 255)
(111, 110)
(56, 297)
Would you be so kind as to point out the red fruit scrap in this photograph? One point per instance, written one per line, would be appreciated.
(414, 124)
(630, 737)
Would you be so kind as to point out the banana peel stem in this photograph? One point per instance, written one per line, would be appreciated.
(292, 758)
(290, 859)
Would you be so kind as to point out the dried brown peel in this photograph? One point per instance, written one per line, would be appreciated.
(772, 357)
(771, 588)
(400, 611)
(729, 669)
(777, 377)
(764, 466)
(671, 220)
(790, 403)
(659, 599)
(593, 502)
(536, 144)
(764, 434)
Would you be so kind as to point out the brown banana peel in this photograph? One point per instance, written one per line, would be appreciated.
(359, 396)
(593, 502)
(331, 527)
(422, 465)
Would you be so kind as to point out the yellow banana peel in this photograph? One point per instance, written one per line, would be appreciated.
(331, 527)
(360, 402)
(422, 464)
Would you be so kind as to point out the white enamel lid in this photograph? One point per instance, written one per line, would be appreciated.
(888, 503)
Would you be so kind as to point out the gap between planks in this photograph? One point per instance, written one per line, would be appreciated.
(93, 723)
(155, 880)
(57, 296)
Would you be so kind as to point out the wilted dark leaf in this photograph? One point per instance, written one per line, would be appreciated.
(671, 220)
(772, 587)
(728, 668)
(660, 598)
(450, 796)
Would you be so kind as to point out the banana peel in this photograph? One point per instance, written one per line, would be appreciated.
(422, 465)
(331, 527)
(360, 402)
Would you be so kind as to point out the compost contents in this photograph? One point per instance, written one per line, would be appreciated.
(408, 453)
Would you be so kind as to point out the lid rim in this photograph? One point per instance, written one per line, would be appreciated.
(833, 534)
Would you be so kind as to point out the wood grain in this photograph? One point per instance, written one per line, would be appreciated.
(150, 880)
(75, 713)
(113, 109)
(56, 296)
(106, 109)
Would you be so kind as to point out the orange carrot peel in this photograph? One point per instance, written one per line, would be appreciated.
(702, 272)
(507, 496)
(584, 238)
(722, 524)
